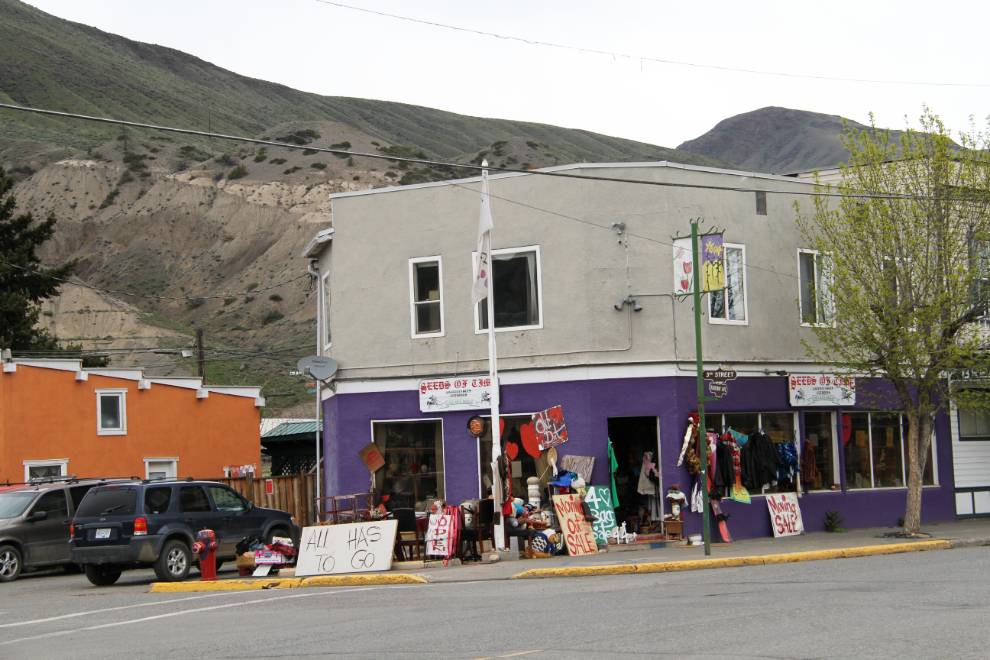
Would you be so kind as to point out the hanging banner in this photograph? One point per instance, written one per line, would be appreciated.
(550, 428)
(785, 514)
(352, 548)
(577, 531)
(455, 394)
(683, 267)
(599, 500)
(712, 263)
(822, 390)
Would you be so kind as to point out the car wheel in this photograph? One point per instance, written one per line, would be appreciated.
(174, 562)
(102, 576)
(10, 563)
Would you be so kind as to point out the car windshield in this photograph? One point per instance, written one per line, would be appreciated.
(13, 504)
(109, 501)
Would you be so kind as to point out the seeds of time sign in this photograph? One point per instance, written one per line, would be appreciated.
(822, 390)
(455, 394)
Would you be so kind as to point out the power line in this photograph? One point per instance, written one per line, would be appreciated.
(491, 168)
(614, 55)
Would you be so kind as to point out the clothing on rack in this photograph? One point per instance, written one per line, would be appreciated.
(725, 473)
(809, 471)
(646, 484)
(759, 461)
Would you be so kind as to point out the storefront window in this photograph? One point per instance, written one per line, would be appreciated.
(523, 465)
(780, 427)
(821, 448)
(874, 451)
(413, 472)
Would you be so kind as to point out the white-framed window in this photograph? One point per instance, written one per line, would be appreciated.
(517, 291)
(815, 293)
(413, 450)
(780, 427)
(326, 310)
(161, 468)
(111, 412)
(730, 306)
(52, 467)
(974, 426)
(875, 451)
(426, 296)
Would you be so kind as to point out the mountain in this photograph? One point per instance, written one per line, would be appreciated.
(52, 63)
(776, 140)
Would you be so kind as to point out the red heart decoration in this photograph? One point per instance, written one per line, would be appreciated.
(529, 441)
(511, 450)
(501, 427)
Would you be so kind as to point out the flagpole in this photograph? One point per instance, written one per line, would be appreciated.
(499, 530)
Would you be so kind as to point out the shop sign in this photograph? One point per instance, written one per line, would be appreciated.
(822, 390)
(352, 548)
(438, 533)
(550, 428)
(455, 394)
(599, 500)
(719, 385)
(785, 514)
(577, 531)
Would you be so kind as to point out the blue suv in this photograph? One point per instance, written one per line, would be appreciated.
(153, 524)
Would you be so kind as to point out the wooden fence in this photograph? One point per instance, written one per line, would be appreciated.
(294, 494)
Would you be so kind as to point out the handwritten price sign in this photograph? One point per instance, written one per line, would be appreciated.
(785, 515)
(577, 532)
(354, 548)
(599, 499)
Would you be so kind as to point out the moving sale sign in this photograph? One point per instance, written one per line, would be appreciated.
(785, 514)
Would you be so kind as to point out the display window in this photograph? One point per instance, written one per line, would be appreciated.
(413, 471)
(874, 451)
(778, 427)
(820, 451)
(523, 465)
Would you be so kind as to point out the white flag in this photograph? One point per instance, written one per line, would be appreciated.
(482, 263)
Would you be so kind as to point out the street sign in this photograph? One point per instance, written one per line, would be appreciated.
(317, 366)
(719, 378)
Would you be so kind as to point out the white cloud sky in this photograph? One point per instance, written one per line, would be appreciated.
(330, 50)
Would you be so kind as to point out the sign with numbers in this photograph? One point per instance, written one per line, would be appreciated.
(599, 499)
(577, 532)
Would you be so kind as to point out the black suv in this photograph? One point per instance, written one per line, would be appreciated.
(153, 524)
(35, 521)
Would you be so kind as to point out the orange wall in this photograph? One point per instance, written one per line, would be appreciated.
(47, 414)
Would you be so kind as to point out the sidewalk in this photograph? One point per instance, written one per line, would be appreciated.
(809, 547)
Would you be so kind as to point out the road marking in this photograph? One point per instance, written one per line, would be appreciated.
(510, 655)
(171, 614)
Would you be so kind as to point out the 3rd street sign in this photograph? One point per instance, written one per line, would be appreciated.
(719, 378)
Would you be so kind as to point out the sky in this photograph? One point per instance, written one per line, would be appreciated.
(318, 47)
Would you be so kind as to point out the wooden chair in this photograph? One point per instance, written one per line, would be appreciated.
(484, 526)
(408, 533)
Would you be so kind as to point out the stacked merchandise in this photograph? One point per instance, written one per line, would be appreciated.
(253, 555)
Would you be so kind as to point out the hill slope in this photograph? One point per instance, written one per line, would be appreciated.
(778, 140)
(53, 63)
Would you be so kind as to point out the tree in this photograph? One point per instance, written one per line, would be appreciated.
(906, 274)
(22, 290)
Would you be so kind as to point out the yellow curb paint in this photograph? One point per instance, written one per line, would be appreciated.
(728, 562)
(224, 585)
(359, 580)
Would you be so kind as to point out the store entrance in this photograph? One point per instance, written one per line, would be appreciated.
(631, 438)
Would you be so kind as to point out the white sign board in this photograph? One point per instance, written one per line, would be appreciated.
(455, 394)
(438, 533)
(683, 267)
(822, 390)
(353, 548)
(785, 514)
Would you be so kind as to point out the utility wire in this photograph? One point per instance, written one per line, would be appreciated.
(613, 55)
(439, 163)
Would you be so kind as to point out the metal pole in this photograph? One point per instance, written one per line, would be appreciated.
(319, 465)
(499, 531)
(702, 432)
(202, 359)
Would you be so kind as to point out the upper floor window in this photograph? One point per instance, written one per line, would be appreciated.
(426, 296)
(729, 305)
(111, 412)
(517, 291)
(761, 203)
(815, 291)
(974, 426)
(326, 309)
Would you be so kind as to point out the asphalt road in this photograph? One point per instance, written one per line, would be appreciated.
(915, 605)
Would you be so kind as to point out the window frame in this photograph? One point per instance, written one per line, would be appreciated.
(326, 335)
(443, 438)
(412, 297)
(174, 460)
(539, 288)
(745, 284)
(819, 298)
(63, 464)
(122, 397)
(761, 200)
(759, 421)
(968, 438)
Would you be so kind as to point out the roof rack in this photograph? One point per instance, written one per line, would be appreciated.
(42, 481)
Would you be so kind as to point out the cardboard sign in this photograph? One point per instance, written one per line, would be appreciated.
(599, 499)
(577, 532)
(352, 548)
(438, 535)
(372, 457)
(549, 427)
(785, 514)
(583, 465)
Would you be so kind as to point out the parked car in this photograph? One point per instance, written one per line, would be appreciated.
(34, 524)
(153, 524)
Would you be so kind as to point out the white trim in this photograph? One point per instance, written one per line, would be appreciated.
(174, 460)
(82, 376)
(9, 367)
(412, 297)
(802, 292)
(539, 288)
(443, 439)
(122, 397)
(315, 246)
(745, 283)
(202, 393)
(63, 464)
(323, 326)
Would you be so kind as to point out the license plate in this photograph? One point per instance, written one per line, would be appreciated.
(102, 534)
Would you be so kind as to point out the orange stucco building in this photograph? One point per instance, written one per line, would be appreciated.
(59, 419)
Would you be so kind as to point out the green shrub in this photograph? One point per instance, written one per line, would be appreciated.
(262, 156)
(319, 166)
(135, 162)
(391, 175)
(341, 145)
(248, 299)
(238, 172)
(356, 178)
(833, 523)
(277, 161)
(309, 152)
(532, 145)
(272, 316)
(252, 286)
(229, 301)
(275, 297)
(125, 178)
(194, 304)
(294, 168)
(112, 195)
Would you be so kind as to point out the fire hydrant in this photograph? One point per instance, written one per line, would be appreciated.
(206, 547)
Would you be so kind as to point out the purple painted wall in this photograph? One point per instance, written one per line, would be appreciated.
(587, 405)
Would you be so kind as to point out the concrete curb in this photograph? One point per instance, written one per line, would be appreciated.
(287, 583)
(728, 562)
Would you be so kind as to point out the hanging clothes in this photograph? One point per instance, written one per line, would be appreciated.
(646, 485)
(725, 472)
(759, 461)
(809, 471)
(613, 465)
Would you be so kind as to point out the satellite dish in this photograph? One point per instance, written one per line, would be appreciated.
(317, 366)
